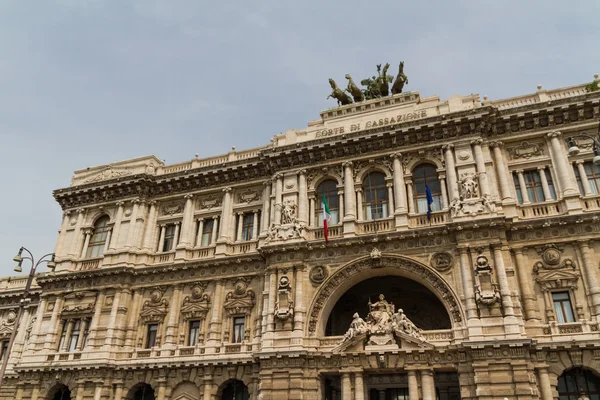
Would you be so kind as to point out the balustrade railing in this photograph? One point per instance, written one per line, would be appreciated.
(591, 204)
(419, 221)
(381, 225)
(318, 233)
(93, 263)
(244, 247)
(207, 252)
(546, 209)
(163, 258)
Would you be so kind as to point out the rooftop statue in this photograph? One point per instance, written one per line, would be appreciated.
(401, 79)
(384, 80)
(354, 90)
(341, 97)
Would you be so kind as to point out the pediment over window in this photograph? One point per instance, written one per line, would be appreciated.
(241, 300)
(156, 308)
(5, 331)
(196, 305)
(558, 279)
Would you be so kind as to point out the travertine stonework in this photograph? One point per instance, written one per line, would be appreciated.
(209, 277)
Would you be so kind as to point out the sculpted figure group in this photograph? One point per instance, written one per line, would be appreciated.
(383, 319)
(375, 87)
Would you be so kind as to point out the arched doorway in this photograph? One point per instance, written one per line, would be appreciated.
(572, 384)
(235, 390)
(60, 392)
(141, 391)
(419, 304)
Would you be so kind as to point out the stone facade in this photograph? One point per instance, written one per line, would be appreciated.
(211, 279)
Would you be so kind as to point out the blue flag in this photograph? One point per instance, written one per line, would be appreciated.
(429, 201)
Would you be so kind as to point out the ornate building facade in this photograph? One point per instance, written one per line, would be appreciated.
(462, 262)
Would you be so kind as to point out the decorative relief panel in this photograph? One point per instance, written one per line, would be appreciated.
(525, 150)
(241, 300)
(109, 172)
(486, 290)
(172, 208)
(318, 274)
(78, 303)
(7, 324)
(249, 195)
(442, 260)
(197, 304)
(210, 201)
(284, 306)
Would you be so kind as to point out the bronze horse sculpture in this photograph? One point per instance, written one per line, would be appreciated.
(356, 93)
(384, 80)
(341, 97)
(401, 79)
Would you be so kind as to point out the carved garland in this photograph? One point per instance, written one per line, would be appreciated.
(348, 271)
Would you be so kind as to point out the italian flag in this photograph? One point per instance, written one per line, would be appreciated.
(326, 216)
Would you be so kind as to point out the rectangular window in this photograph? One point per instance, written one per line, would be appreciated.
(169, 242)
(592, 173)
(151, 334)
(238, 329)
(563, 307)
(75, 332)
(3, 349)
(207, 229)
(534, 187)
(194, 331)
(247, 226)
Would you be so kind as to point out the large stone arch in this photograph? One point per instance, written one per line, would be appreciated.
(368, 267)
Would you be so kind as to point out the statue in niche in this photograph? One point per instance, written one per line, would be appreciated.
(341, 97)
(288, 212)
(469, 186)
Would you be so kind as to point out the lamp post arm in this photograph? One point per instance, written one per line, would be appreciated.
(596, 142)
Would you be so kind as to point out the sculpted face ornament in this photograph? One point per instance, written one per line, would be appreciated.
(318, 274)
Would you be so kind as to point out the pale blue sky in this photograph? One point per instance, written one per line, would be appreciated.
(87, 82)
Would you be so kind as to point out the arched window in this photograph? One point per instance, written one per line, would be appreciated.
(142, 391)
(574, 383)
(98, 239)
(235, 390)
(328, 189)
(375, 196)
(425, 175)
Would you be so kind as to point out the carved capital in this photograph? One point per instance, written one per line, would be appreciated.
(555, 134)
(447, 147)
(267, 183)
(397, 155)
(152, 202)
(227, 190)
(135, 201)
(476, 142)
(541, 167)
(66, 213)
(188, 196)
(441, 176)
(578, 162)
(346, 164)
(497, 143)
(301, 172)
(120, 203)
(519, 171)
(80, 210)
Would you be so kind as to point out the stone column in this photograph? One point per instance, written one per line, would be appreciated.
(162, 385)
(563, 167)
(413, 386)
(359, 205)
(480, 166)
(117, 229)
(58, 250)
(226, 213)
(93, 330)
(18, 349)
(346, 386)
(199, 233)
(529, 299)
(591, 273)
(132, 319)
(36, 331)
(255, 225)
(176, 236)
(187, 222)
(132, 223)
(427, 383)
(502, 171)
(161, 239)
(311, 212)
(272, 300)
(87, 233)
(35, 393)
(207, 392)
(390, 199)
(445, 203)
(411, 200)
(587, 190)
(524, 194)
(349, 191)
(65, 345)
(264, 224)
(545, 187)
(84, 326)
(240, 225)
(214, 327)
(503, 280)
(341, 203)
(76, 241)
(545, 387)
(81, 391)
(302, 197)
(213, 234)
(451, 171)
(467, 283)
(381, 394)
(278, 198)
(118, 391)
(19, 394)
(359, 387)
(112, 321)
(98, 391)
(399, 187)
(51, 343)
(172, 318)
(299, 301)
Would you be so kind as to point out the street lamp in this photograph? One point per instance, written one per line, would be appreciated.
(574, 150)
(49, 260)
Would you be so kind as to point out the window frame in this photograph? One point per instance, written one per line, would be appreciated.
(3, 348)
(562, 303)
(151, 335)
(210, 223)
(234, 337)
(436, 192)
(193, 332)
(74, 337)
(333, 201)
(247, 226)
(375, 204)
(170, 230)
(97, 242)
